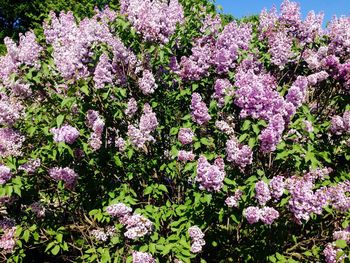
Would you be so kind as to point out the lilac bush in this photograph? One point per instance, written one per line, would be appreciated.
(162, 131)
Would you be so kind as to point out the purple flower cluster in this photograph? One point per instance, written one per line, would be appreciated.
(10, 110)
(136, 225)
(304, 200)
(155, 20)
(38, 209)
(240, 155)
(147, 83)
(197, 239)
(280, 48)
(142, 257)
(225, 127)
(297, 92)
(220, 52)
(317, 77)
(185, 136)
(26, 52)
(31, 166)
(277, 186)
(266, 214)
(97, 124)
(65, 174)
(99, 235)
(199, 112)
(66, 133)
(340, 125)
(233, 38)
(120, 144)
(232, 201)
(221, 88)
(103, 72)
(10, 142)
(71, 46)
(256, 95)
(272, 134)
(185, 156)
(7, 240)
(210, 176)
(131, 108)
(330, 252)
(262, 192)
(148, 123)
(5, 174)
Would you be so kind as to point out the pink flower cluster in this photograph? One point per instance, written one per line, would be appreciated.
(97, 124)
(221, 51)
(131, 108)
(185, 136)
(103, 72)
(232, 201)
(66, 133)
(197, 239)
(305, 201)
(340, 125)
(136, 225)
(185, 156)
(72, 42)
(7, 240)
(155, 20)
(26, 52)
(65, 174)
(10, 110)
(142, 257)
(222, 89)
(148, 123)
(240, 155)
(10, 142)
(266, 214)
(210, 176)
(199, 112)
(5, 174)
(31, 166)
(147, 83)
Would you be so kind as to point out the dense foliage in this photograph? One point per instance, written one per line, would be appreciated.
(157, 132)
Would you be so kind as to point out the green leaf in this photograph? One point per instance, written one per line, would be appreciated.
(340, 243)
(55, 250)
(59, 120)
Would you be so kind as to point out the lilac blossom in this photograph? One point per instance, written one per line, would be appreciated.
(199, 112)
(262, 192)
(142, 257)
(210, 176)
(280, 48)
(131, 108)
(252, 214)
(66, 133)
(65, 174)
(10, 142)
(185, 136)
(232, 201)
(197, 239)
(103, 73)
(155, 20)
(221, 88)
(185, 156)
(31, 166)
(5, 174)
(119, 210)
(10, 110)
(7, 240)
(137, 226)
(147, 83)
(268, 215)
(272, 134)
(240, 155)
(277, 186)
(297, 92)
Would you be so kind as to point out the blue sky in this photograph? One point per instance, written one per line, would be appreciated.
(239, 8)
